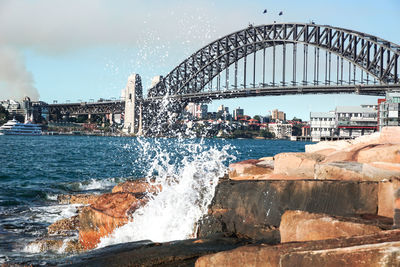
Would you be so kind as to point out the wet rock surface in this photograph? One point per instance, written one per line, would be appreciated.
(254, 208)
(86, 199)
(107, 213)
(64, 226)
(137, 186)
(147, 253)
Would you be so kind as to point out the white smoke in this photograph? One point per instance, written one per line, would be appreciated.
(16, 81)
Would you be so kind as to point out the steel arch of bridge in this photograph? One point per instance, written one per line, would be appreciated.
(373, 55)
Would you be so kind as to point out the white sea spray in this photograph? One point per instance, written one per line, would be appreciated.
(188, 186)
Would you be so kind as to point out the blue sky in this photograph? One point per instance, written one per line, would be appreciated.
(70, 50)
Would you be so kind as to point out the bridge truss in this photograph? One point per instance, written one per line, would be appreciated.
(287, 58)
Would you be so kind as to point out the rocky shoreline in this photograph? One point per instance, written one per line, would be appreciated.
(337, 203)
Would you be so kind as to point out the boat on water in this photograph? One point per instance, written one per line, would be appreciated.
(14, 127)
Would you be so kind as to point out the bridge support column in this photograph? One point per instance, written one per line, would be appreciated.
(133, 97)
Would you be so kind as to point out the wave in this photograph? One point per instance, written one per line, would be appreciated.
(188, 188)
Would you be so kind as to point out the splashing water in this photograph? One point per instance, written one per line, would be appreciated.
(188, 177)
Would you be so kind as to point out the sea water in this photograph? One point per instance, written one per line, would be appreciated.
(34, 170)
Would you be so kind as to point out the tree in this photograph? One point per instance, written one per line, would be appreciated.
(257, 117)
(4, 115)
(296, 119)
(266, 134)
(296, 130)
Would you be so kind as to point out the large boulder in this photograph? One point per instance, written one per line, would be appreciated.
(297, 164)
(299, 225)
(254, 208)
(251, 169)
(297, 253)
(138, 186)
(107, 213)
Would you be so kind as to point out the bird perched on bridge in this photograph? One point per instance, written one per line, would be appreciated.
(280, 13)
(265, 11)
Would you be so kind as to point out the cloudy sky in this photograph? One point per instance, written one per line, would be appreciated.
(85, 49)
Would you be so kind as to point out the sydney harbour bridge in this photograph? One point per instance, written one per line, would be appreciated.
(265, 60)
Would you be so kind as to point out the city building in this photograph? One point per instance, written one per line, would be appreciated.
(354, 121)
(281, 130)
(237, 113)
(389, 110)
(223, 113)
(278, 115)
(322, 124)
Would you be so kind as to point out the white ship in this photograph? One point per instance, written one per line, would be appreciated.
(14, 127)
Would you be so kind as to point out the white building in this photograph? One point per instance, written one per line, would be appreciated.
(322, 124)
(354, 121)
(281, 130)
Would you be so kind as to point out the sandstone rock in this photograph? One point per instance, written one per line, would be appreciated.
(384, 153)
(107, 213)
(304, 226)
(85, 199)
(254, 208)
(55, 245)
(64, 226)
(265, 255)
(252, 169)
(297, 164)
(323, 145)
(386, 197)
(371, 255)
(390, 135)
(137, 186)
(344, 170)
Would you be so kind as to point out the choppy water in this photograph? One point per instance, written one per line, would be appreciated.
(34, 170)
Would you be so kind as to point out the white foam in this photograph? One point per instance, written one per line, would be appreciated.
(32, 248)
(187, 190)
(94, 184)
(51, 214)
(52, 197)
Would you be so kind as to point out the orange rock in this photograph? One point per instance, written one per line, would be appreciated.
(390, 135)
(297, 164)
(383, 153)
(279, 255)
(137, 186)
(251, 169)
(372, 255)
(353, 171)
(304, 226)
(107, 213)
(386, 198)
(85, 199)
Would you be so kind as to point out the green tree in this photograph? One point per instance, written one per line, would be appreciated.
(296, 119)
(266, 134)
(296, 130)
(257, 117)
(4, 115)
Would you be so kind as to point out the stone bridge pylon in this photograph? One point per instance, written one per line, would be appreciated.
(133, 96)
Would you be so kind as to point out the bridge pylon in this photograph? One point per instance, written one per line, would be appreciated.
(133, 98)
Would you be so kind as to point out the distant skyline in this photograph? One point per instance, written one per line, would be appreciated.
(70, 50)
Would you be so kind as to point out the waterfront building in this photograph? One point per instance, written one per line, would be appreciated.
(278, 115)
(389, 110)
(281, 130)
(354, 121)
(237, 113)
(322, 124)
